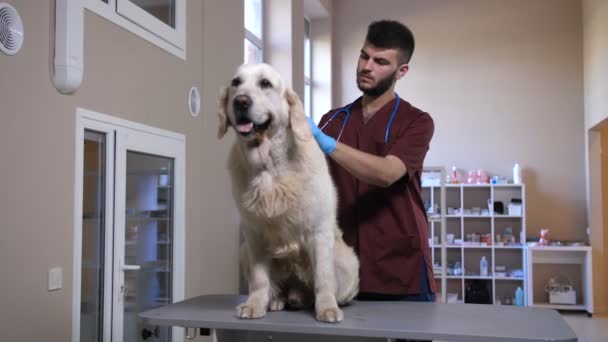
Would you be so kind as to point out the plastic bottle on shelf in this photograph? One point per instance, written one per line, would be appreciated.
(519, 296)
(516, 174)
(483, 267)
(454, 177)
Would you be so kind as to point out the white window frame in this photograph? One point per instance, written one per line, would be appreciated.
(134, 19)
(308, 78)
(112, 127)
(258, 42)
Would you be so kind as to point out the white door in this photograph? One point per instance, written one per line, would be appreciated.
(137, 250)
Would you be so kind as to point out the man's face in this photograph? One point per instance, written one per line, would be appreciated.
(378, 69)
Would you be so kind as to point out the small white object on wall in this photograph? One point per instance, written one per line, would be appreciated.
(194, 101)
(11, 29)
(55, 279)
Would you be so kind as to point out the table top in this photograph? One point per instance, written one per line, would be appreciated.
(559, 248)
(412, 320)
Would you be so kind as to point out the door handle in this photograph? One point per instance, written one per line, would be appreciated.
(130, 267)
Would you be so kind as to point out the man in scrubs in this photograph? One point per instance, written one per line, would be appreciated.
(377, 165)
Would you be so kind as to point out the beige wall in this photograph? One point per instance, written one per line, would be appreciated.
(503, 81)
(127, 77)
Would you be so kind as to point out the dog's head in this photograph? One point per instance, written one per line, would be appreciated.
(258, 105)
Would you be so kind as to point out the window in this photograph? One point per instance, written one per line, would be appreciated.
(160, 17)
(161, 22)
(307, 70)
(253, 31)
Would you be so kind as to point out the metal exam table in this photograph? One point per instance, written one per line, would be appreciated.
(366, 321)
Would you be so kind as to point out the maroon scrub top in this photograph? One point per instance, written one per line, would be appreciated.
(387, 227)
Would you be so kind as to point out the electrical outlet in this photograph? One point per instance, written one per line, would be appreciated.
(55, 278)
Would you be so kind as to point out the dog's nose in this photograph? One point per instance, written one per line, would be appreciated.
(242, 102)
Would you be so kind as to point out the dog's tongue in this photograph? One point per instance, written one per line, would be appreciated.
(244, 128)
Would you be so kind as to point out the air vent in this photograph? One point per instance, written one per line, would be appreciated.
(11, 29)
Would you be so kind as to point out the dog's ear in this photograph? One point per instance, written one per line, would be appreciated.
(297, 118)
(222, 113)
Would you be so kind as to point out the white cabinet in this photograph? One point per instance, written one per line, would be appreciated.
(479, 224)
(573, 263)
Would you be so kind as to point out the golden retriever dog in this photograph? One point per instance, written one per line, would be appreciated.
(293, 255)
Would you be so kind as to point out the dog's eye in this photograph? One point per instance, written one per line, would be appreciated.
(236, 82)
(264, 83)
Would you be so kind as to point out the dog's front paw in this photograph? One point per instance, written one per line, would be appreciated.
(276, 305)
(250, 310)
(327, 309)
(330, 315)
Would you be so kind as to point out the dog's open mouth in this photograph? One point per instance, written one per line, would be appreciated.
(245, 126)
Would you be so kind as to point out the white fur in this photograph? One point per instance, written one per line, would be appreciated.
(293, 253)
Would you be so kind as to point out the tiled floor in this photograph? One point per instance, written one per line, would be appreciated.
(588, 329)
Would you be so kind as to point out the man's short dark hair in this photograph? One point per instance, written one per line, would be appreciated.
(390, 34)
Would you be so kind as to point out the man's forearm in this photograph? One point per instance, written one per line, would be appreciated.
(379, 171)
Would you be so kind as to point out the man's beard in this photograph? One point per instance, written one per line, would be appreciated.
(381, 87)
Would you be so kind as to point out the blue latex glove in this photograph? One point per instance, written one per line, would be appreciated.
(326, 143)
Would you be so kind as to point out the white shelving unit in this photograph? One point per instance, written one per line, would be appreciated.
(467, 224)
(573, 262)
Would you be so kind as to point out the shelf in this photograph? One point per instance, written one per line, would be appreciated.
(476, 185)
(573, 262)
(461, 197)
(439, 186)
(477, 246)
(510, 247)
(440, 245)
(509, 278)
(478, 277)
(507, 185)
(484, 185)
(560, 248)
(498, 216)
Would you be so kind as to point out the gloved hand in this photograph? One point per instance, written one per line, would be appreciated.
(326, 143)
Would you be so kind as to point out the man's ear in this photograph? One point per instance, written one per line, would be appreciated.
(221, 113)
(297, 118)
(403, 69)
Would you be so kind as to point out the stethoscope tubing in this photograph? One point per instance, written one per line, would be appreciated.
(347, 111)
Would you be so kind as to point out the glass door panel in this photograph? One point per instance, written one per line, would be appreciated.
(93, 232)
(148, 242)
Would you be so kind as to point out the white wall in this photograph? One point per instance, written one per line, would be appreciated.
(503, 81)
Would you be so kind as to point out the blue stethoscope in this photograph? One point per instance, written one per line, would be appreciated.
(347, 109)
